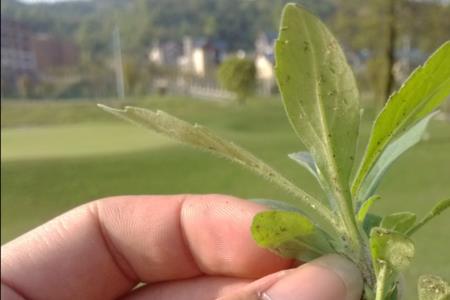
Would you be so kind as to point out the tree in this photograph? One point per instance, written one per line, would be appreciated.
(24, 85)
(379, 27)
(238, 75)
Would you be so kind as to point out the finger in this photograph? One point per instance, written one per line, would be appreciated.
(330, 277)
(200, 288)
(9, 294)
(101, 250)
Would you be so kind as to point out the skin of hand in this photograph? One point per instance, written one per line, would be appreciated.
(164, 247)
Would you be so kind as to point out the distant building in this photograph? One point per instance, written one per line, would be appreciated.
(265, 61)
(53, 53)
(17, 56)
(202, 56)
(198, 57)
(165, 53)
(26, 56)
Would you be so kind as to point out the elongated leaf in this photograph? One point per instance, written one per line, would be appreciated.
(202, 138)
(411, 137)
(391, 247)
(435, 211)
(399, 222)
(432, 287)
(362, 212)
(290, 235)
(319, 93)
(426, 88)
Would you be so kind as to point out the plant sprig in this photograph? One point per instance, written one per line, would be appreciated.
(320, 97)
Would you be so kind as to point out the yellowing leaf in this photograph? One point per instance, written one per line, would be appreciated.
(432, 287)
(392, 247)
(290, 235)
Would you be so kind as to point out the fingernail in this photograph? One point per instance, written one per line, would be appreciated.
(330, 277)
(346, 270)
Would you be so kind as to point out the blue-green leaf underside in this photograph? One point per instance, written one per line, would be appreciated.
(410, 138)
(426, 88)
(371, 221)
(319, 93)
(306, 160)
(290, 235)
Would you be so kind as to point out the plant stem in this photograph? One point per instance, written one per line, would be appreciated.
(357, 240)
(437, 209)
(381, 281)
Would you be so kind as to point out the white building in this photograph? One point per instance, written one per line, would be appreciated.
(265, 61)
(200, 57)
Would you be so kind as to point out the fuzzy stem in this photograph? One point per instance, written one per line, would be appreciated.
(355, 239)
(381, 281)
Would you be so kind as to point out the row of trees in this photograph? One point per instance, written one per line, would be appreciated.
(384, 28)
(374, 30)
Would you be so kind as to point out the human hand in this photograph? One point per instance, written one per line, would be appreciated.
(180, 247)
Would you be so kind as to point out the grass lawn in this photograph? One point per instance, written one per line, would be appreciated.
(51, 164)
(76, 140)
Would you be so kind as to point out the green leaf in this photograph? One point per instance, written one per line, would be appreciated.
(435, 211)
(290, 235)
(392, 247)
(200, 137)
(362, 212)
(411, 137)
(432, 287)
(319, 93)
(400, 222)
(426, 88)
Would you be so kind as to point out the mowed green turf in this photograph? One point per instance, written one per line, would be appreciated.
(113, 158)
(86, 139)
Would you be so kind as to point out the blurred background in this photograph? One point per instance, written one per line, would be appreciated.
(207, 61)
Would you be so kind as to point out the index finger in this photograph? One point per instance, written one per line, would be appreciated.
(104, 248)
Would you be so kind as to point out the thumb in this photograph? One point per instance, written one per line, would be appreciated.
(330, 277)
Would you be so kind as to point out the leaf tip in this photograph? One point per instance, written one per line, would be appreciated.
(110, 109)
